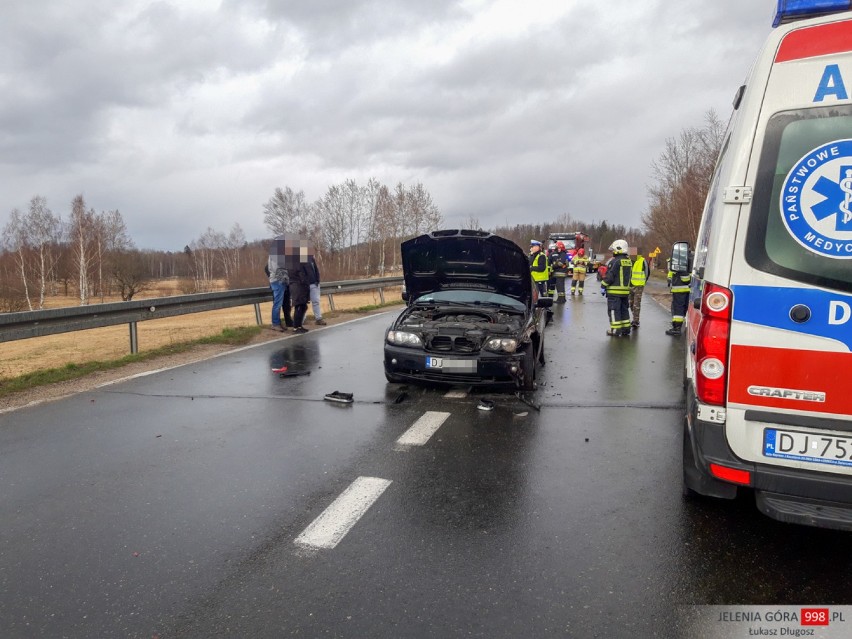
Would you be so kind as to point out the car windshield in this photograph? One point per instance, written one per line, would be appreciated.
(465, 297)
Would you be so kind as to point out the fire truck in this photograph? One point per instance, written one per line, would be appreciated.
(569, 239)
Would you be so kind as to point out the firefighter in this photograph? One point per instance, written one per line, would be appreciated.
(679, 282)
(559, 268)
(551, 280)
(641, 272)
(616, 287)
(578, 277)
(538, 266)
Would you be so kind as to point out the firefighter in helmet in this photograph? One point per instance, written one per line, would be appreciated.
(616, 287)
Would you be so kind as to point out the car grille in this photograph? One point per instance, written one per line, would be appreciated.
(448, 344)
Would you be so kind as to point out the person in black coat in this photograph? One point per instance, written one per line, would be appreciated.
(300, 283)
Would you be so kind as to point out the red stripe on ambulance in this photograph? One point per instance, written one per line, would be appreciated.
(825, 39)
(811, 372)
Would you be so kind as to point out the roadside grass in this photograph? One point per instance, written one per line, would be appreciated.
(228, 336)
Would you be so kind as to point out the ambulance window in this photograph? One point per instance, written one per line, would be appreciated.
(709, 210)
(801, 215)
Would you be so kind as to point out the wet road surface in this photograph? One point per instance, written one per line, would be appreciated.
(191, 502)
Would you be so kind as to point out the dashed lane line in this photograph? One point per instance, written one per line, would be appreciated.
(423, 429)
(327, 530)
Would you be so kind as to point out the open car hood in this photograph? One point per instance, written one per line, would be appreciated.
(466, 260)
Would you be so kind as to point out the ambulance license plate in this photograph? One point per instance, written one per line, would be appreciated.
(821, 449)
(451, 365)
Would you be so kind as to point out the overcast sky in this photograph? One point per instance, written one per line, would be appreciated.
(184, 114)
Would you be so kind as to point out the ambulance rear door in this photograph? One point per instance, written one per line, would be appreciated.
(789, 398)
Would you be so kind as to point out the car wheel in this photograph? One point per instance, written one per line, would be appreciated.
(528, 382)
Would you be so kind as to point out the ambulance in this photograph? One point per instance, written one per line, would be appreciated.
(768, 373)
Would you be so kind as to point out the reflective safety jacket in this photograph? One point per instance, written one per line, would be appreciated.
(581, 263)
(618, 274)
(538, 267)
(640, 272)
(679, 281)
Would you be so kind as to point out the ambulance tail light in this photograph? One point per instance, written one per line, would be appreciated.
(731, 474)
(789, 10)
(712, 345)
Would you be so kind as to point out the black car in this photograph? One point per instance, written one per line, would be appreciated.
(473, 317)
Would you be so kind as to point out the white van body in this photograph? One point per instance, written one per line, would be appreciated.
(769, 326)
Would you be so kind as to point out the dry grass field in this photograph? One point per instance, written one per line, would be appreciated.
(101, 344)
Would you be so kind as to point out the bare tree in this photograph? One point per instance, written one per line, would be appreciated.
(286, 211)
(682, 177)
(82, 233)
(45, 234)
(332, 213)
(16, 240)
(205, 252)
(472, 223)
(131, 273)
(230, 253)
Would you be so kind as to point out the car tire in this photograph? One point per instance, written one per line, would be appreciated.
(528, 366)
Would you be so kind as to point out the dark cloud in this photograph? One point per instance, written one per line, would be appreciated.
(183, 116)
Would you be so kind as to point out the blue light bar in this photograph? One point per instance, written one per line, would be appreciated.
(789, 10)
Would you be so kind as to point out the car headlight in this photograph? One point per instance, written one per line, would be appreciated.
(403, 338)
(499, 344)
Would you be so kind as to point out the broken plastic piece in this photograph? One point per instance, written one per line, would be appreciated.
(337, 396)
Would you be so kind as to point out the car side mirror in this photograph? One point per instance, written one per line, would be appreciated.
(544, 302)
(680, 261)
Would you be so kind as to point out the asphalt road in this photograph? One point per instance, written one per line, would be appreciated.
(220, 500)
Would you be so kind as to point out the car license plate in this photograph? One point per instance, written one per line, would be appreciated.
(451, 365)
(822, 449)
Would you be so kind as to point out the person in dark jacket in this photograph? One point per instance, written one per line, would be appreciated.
(300, 282)
(616, 287)
(559, 268)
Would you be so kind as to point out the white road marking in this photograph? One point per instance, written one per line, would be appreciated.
(423, 429)
(331, 526)
(457, 394)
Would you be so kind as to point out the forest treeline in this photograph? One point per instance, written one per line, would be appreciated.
(356, 229)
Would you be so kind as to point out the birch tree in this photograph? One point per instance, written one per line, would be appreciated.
(16, 240)
(45, 232)
(286, 211)
(83, 242)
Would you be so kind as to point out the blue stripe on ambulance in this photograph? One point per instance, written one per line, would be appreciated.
(771, 306)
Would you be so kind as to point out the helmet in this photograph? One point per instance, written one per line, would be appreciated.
(560, 246)
(581, 252)
(619, 247)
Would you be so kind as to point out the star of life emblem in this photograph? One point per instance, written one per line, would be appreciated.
(816, 200)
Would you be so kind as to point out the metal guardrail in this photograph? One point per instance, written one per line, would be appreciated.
(15, 326)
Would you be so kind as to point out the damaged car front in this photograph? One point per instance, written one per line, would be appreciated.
(473, 317)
